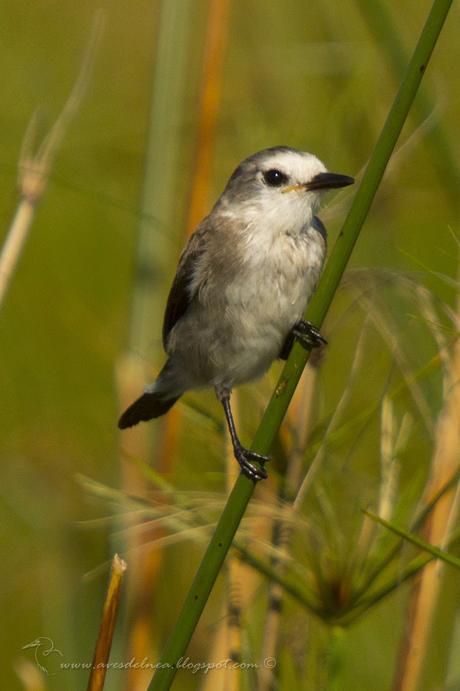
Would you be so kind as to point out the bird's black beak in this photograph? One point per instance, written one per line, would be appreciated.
(325, 181)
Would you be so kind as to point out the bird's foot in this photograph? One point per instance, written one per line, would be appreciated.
(253, 472)
(308, 335)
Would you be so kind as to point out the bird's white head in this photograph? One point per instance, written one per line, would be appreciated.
(281, 186)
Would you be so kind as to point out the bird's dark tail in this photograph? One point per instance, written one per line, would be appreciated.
(147, 407)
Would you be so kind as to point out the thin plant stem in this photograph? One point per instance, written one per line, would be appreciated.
(34, 167)
(214, 52)
(244, 487)
(14, 243)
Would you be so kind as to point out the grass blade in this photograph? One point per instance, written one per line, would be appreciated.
(417, 541)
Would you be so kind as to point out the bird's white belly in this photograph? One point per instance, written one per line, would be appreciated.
(262, 306)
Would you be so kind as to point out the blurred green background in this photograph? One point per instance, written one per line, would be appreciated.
(310, 75)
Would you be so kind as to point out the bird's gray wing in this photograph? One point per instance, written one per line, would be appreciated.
(181, 293)
(320, 227)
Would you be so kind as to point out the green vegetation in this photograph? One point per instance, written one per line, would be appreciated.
(373, 424)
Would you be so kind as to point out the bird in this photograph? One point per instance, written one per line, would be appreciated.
(242, 284)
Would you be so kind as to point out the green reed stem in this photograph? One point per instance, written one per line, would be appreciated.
(241, 494)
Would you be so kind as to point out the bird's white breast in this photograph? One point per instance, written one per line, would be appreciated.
(266, 298)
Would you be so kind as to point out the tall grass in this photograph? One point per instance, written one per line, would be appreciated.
(243, 489)
(310, 75)
(154, 254)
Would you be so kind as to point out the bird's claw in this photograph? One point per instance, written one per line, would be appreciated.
(308, 335)
(253, 472)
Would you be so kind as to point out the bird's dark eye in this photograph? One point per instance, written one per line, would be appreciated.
(275, 178)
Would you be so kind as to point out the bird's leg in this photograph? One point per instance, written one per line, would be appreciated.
(307, 334)
(243, 456)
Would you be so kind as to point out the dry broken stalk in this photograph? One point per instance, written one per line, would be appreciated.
(109, 616)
